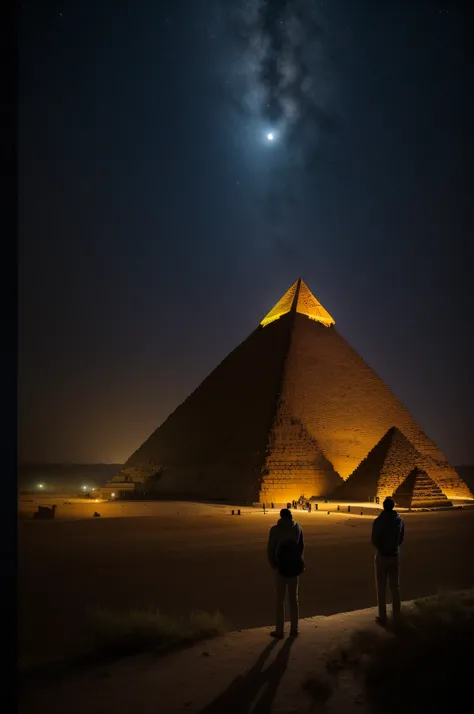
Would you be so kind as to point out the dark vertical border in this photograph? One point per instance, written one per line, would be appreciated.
(8, 173)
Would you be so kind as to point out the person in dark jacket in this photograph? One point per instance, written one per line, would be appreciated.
(285, 554)
(388, 532)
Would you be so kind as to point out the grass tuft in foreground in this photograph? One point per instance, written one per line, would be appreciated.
(139, 630)
(424, 664)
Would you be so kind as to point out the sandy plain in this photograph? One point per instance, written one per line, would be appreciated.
(178, 556)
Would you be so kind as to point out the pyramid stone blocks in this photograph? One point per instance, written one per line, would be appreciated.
(295, 464)
(418, 490)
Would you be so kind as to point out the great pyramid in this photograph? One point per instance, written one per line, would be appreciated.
(418, 490)
(292, 410)
(387, 465)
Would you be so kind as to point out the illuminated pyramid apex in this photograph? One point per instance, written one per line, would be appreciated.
(299, 298)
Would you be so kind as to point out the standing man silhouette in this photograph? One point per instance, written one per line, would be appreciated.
(388, 532)
(285, 554)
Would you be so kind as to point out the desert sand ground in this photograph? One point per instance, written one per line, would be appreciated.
(188, 556)
(243, 672)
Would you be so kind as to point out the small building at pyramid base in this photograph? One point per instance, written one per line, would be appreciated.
(418, 490)
(122, 489)
(293, 410)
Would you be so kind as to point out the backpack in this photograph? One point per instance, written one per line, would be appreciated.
(289, 559)
(389, 536)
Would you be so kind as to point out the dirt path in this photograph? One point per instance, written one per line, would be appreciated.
(243, 672)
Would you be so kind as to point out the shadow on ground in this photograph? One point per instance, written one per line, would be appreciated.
(241, 694)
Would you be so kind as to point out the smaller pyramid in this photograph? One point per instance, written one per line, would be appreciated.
(299, 298)
(386, 467)
(383, 469)
(419, 490)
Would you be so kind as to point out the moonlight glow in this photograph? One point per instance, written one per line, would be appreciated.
(270, 137)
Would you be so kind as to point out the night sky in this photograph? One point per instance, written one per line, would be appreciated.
(158, 223)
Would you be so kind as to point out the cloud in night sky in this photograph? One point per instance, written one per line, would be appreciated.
(278, 78)
(283, 73)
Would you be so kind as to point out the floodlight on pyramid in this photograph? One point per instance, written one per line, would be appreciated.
(299, 298)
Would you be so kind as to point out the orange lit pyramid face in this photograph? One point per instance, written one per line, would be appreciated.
(299, 298)
(291, 410)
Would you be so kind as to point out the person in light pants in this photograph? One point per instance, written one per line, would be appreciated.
(285, 554)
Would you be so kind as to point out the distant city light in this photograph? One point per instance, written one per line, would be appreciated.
(84, 488)
(113, 495)
(40, 485)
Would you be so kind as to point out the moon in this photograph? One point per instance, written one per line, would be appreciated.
(270, 137)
